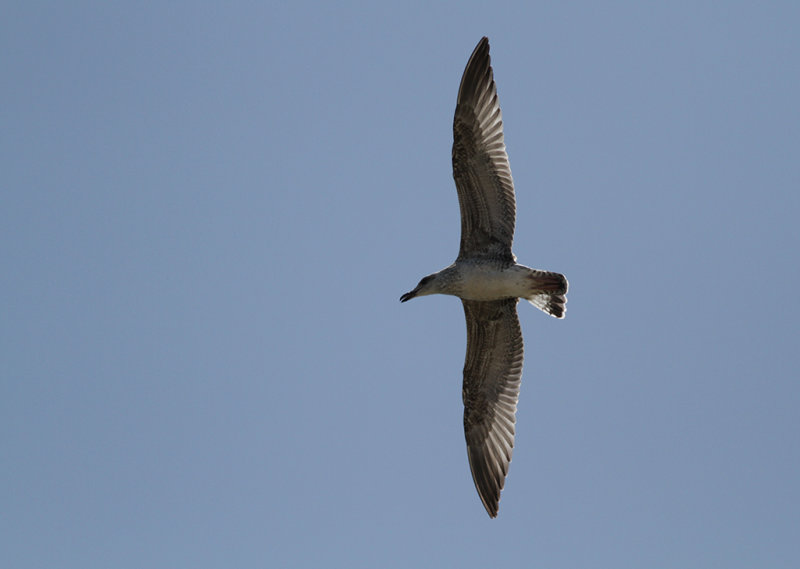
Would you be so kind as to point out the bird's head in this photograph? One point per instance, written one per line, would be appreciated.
(426, 286)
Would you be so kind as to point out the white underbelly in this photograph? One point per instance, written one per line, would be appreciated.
(482, 283)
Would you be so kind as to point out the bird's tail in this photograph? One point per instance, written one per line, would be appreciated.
(548, 292)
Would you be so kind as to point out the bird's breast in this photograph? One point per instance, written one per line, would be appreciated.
(487, 282)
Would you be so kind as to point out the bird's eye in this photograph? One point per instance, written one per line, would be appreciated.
(425, 280)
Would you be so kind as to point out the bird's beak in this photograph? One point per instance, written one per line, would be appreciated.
(408, 295)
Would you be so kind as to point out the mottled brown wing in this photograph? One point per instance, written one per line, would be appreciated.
(492, 374)
(480, 164)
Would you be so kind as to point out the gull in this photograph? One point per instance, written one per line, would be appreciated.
(488, 280)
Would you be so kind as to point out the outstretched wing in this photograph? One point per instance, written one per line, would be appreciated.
(492, 374)
(480, 163)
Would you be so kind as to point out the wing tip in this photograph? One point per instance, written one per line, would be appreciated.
(479, 63)
(488, 484)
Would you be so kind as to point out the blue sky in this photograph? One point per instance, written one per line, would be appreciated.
(208, 214)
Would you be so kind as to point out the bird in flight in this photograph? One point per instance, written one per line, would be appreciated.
(488, 279)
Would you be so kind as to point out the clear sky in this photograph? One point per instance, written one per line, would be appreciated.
(209, 211)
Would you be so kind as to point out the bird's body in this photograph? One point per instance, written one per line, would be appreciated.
(481, 279)
(488, 279)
